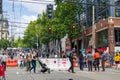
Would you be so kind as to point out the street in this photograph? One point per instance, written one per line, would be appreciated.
(15, 73)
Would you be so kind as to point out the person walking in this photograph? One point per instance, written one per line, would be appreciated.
(96, 61)
(89, 58)
(71, 58)
(33, 61)
(28, 64)
(81, 61)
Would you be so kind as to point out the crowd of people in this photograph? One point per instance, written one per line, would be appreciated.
(89, 60)
(96, 61)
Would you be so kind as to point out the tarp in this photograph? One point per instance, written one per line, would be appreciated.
(57, 63)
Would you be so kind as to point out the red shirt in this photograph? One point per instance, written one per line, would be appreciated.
(2, 71)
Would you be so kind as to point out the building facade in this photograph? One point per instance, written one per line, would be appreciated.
(3, 23)
(106, 26)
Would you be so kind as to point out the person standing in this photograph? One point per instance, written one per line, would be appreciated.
(103, 58)
(117, 60)
(111, 59)
(96, 61)
(2, 72)
(81, 61)
(3, 60)
(89, 58)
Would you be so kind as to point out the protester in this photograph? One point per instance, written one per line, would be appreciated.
(2, 72)
(89, 58)
(96, 61)
(81, 61)
(33, 61)
(111, 59)
(117, 60)
(103, 60)
(71, 58)
(3, 60)
(28, 64)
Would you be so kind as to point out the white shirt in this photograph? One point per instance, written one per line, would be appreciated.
(3, 58)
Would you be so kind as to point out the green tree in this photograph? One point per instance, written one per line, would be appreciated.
(4, 43)
(66, 13)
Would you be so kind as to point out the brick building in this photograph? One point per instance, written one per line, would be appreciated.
(106, 27)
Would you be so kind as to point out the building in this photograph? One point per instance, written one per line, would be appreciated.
(4, 28)
(102, 26)
(3, 24)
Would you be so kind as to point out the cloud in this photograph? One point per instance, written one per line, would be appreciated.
(26, 17)
(19, 31)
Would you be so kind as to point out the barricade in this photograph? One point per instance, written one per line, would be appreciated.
(12, 63)
(56, 63)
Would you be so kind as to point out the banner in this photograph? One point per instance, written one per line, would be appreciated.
(57, 63)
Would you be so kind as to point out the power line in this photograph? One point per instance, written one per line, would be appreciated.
(42, 0)
(18, 22)
(35, 2)
(13, 26)
(92, 3)
(85, 3)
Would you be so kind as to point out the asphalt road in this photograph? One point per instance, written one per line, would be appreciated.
(15, 73)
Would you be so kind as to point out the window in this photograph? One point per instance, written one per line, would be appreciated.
(117, 12)
(117, 36)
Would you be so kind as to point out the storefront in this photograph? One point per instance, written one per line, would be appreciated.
(107, 36)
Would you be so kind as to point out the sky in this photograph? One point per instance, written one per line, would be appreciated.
(24, 12)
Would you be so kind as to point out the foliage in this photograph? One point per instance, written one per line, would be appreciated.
(61, 24)
(66, 13)
(4, 44)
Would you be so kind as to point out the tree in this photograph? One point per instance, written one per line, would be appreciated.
(4, 44)
(61, 24)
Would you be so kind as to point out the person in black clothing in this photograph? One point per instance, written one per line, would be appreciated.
(81, 60)
(71, 58)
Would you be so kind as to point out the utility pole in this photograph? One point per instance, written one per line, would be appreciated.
(93, 28)
(1, 17)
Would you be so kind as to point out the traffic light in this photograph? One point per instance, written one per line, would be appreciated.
(49, 30)
(50, 11)
(73, 28)
(0, 6)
